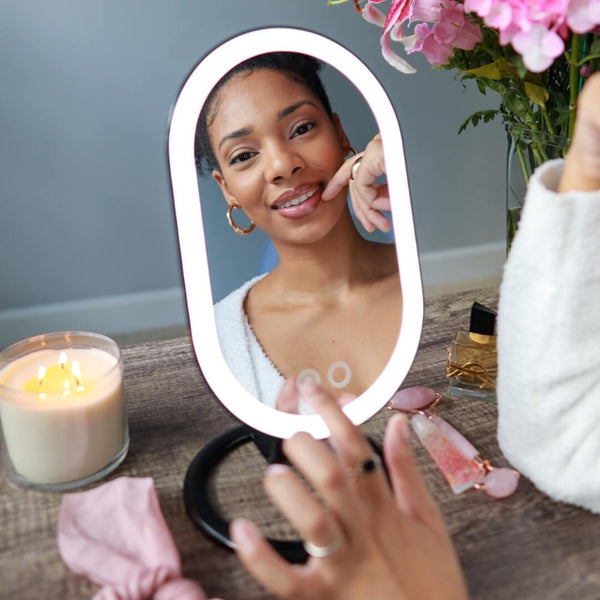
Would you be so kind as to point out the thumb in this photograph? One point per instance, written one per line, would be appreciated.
(288, 398)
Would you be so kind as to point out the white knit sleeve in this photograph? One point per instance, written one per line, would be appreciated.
(549, 342)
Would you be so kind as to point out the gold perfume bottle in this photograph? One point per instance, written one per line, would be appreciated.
(472, 358)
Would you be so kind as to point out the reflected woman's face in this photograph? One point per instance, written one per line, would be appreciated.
(277, 148)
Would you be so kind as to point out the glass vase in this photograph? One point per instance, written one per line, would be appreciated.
(527, 150)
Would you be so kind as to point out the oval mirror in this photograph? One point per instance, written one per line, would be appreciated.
(253, 113)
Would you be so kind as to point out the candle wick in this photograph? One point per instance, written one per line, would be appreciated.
(41, 374)
(76, 372)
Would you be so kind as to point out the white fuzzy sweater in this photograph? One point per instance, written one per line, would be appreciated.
(242, 351)
(549, 343)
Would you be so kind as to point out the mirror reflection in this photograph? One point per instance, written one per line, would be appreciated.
(323, 299)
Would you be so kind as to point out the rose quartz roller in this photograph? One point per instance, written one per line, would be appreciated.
(460, 462)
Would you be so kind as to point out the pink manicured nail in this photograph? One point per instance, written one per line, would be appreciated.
(277, 469)
(242, 531)
(309, 386)
(402, 421)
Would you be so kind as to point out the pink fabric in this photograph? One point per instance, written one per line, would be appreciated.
(117, 536)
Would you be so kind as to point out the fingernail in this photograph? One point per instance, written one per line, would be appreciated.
(241, 531)
(277, 469)
(309, 386)
(401, 422)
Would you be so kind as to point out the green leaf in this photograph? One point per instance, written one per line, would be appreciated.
(499, 69)
(489, 71)
(485, 115)
(537, 93)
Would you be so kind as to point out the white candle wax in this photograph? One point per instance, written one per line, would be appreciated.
(55, 436)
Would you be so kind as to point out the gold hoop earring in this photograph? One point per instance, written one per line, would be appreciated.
(239, 230)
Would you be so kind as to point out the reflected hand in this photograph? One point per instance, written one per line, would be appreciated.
(376, 543)
(288, 399)
(582, 166)
(368, 198)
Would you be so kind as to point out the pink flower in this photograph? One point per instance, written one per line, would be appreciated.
(536, 29)
(459, 31)
(453, 30)
(538, 47)
(429, 11)
(583, 15)
(500, 16)
(436, 50)
(371, 14)
(480, 7)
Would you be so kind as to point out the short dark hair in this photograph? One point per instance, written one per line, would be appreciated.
(301, 67)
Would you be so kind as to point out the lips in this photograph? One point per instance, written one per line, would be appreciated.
(296, 196)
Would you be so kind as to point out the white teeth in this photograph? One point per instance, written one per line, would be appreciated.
(300, 199)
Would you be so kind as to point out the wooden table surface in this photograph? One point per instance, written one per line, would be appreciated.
(527, 546)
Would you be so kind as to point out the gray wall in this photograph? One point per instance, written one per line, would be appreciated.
(85, 211)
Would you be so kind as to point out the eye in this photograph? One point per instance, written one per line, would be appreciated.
(241, 157)
(303, 128)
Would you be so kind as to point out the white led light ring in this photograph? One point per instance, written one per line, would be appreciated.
(309, 374)
(340, 364)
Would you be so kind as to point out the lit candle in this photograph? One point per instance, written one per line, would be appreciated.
(61, 409)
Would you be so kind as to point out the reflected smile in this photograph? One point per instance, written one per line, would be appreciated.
(295, 201)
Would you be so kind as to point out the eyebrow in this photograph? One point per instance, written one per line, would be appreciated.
(238, 133)
(284, 112)
(293, 107)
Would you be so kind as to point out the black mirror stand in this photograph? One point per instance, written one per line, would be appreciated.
(195, 487)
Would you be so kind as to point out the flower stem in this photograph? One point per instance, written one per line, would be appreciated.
(522, 161)
(548, 121)
(588, 59)
(573, 79)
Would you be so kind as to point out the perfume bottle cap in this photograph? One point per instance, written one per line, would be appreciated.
(483, 319)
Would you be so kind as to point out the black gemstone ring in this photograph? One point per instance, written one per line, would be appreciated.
(367, 466)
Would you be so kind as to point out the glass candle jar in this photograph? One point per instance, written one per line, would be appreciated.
(62, 415)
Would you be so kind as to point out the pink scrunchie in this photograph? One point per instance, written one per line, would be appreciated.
(117, 536)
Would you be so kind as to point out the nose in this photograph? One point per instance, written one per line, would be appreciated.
(281, 161)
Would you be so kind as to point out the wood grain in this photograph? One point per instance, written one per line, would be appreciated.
(526, 547)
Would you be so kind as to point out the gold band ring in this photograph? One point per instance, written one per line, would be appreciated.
(354, 168)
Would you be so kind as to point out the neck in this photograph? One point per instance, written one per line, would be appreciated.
(330, 266)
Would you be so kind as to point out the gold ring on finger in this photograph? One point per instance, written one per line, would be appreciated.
(354, 169)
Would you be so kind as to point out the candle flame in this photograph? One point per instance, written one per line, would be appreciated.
(76, 372)
(60, 377)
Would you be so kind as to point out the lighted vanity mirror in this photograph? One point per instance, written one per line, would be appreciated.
(269, 145)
